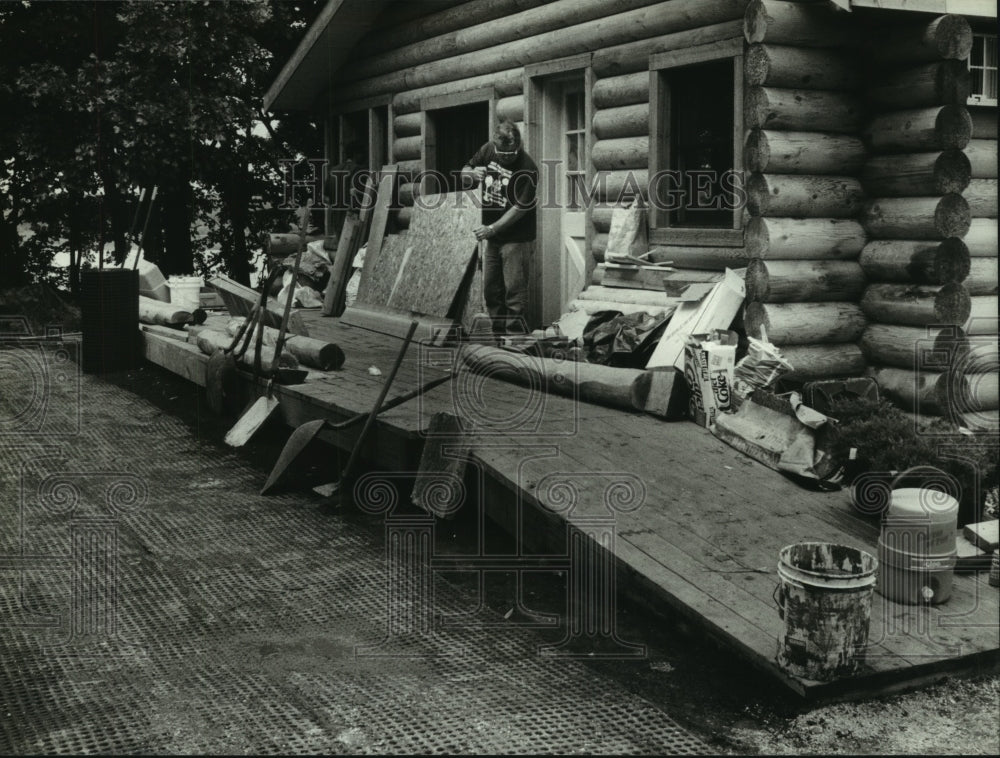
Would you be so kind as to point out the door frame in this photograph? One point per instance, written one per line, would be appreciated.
(545, 303)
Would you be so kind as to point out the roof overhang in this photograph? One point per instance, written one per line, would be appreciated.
(325, 48)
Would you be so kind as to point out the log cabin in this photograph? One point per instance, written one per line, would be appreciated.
(844, 152)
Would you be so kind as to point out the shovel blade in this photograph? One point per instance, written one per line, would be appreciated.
(297, 442)
(252, 420)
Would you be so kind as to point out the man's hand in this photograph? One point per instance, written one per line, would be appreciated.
(484, 232)
(474, 175)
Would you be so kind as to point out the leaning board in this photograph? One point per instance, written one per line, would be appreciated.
(382, 272)
(442, 241)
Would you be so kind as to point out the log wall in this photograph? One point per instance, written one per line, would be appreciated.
(804, 155)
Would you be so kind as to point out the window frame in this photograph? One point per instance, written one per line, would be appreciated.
(428, 130)
(660, 65)
(975, 99)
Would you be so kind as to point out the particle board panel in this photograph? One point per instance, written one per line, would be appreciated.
(381, 273)
(442, 241)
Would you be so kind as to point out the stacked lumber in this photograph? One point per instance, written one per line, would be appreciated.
(802, 155)
(915, 215)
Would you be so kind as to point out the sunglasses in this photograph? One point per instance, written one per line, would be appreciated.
(506, 153)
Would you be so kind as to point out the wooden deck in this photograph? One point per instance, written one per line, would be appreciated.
(701, 540)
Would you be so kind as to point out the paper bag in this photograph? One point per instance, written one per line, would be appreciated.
(709, 360)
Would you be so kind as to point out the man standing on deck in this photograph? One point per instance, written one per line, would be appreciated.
(509, 179)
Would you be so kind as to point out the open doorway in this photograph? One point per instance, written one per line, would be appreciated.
(453, 136)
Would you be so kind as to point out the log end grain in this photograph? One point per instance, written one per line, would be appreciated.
(952, 304)
(952, 172)
(757, 281)
(951, 262)
(755, 21)
(758, 193)
(954, 127)
(756, 239)
(953, 217)
(756, 151)
(953, 37)
(755, 318)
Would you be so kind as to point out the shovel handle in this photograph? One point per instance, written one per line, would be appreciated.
(356, 450)
(280, 344)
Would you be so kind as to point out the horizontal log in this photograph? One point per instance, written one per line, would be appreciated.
(982, 278)
(417, 23)
(917, 304)
(920, 130)
(803, 195)
(940, 393)
(407, 148)
(805, 323)
(473, 37)
(622, 185)
(982, 155)
(943, 37)
(153, 311)
(917, 217)
(916, 261)
(777, 152)
(921, 86)
(801, 110)
(504, 83)
(406, 192)
(981, 194)
(624, 121)
(325, 356)
(658, 19)
(511, 108)
(983, 319)
(981, 238)
(798, 24)
(407, 124)
(984, 392)
(626, 89)
(916, 174)
(604, 385)
(810, 362)
(598, 246)
(804, 281)
(914, 347)
(803, 239)
(210, 340)
(703, 258)
(630, 57)
(622, 153)
(981, 422)
(403, 216)
(621, 295)
(596, 306)
(800, 68)
(984, 123)
(984, 355)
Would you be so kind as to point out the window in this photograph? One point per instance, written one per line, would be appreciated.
(696, 146)
(575, 147)
(983, 67)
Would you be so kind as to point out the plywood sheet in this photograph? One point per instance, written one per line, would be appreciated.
(381, 273)
(442, 239)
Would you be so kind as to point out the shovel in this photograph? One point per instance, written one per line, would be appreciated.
(304, 434)
(262, 408)
(313, 427)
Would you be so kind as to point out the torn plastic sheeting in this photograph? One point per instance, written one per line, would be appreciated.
(612, 338)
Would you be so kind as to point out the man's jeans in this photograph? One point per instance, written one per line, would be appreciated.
(506, 270)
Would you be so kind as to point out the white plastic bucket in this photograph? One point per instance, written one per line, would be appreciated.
(185, 291)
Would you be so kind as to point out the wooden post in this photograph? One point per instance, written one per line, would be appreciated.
(805, 323)
(921, 130)
(800, 68)
(804, 195)
(804, 281)
(916, 174)
(917, 305)
(803, 153)
(914, 347)
(916, 261)
(801, 110)
(803, 239)
(917, 217)
(939, 83)
(824, 361)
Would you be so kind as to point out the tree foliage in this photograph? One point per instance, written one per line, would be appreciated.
(102, 100)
